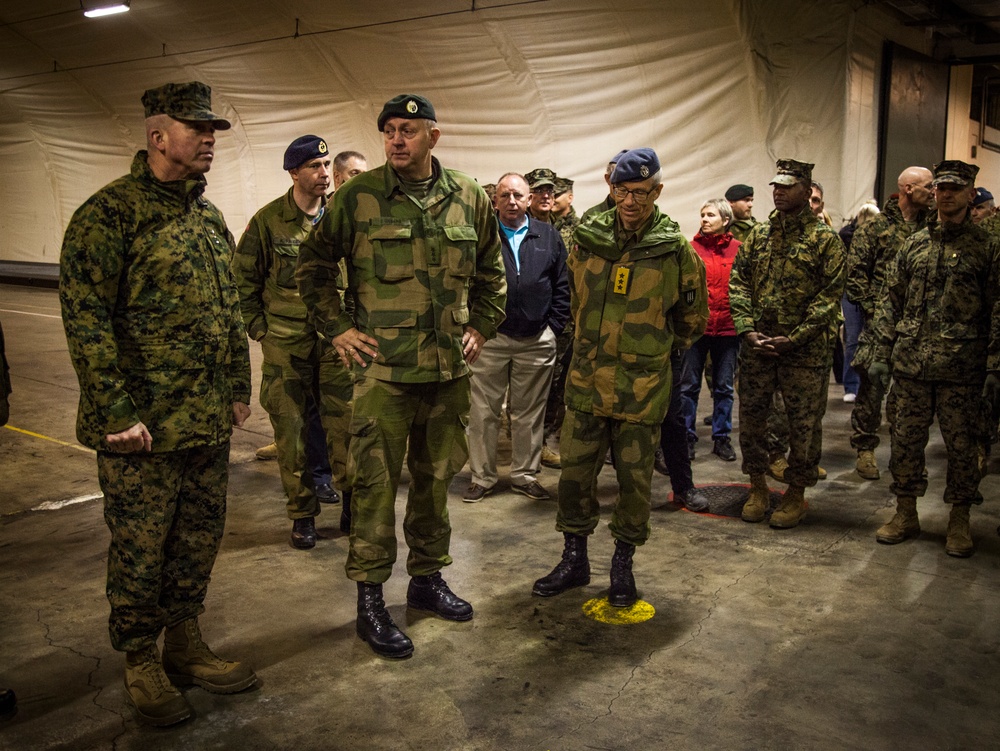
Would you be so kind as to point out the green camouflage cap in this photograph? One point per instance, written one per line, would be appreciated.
(183, 101)
(563, 185)
(491, 190)
(791, 172)
(408, 106)
(539, 177)
(955, 172)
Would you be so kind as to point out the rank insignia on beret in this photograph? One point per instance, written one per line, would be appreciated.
(321, 148)
(644, 171)
(411, 107)
(621, 280)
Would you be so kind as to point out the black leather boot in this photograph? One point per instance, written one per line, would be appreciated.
(375, 625)
(572, 571)
(345, 513)
(304, 533)
(433, 594)
(622, 593)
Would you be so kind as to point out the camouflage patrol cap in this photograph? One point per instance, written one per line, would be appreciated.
(539, 177)
(184, 101)
(491, 190)
(635, 166)
(302, 149)
(955, 172)
(563, 185)
(982, 196)
(407, 106)
(791, 172)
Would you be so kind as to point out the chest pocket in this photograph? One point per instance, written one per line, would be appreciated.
(460, 249)
(391, 245)
(286, 254)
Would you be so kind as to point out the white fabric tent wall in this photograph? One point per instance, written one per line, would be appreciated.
(720, 88)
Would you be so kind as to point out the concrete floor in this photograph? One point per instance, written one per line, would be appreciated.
(814, 638)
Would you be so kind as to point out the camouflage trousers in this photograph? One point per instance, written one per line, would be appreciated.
(555, 406)
(166, 513)
(804, 391)
(288, 383)
(426, 422)
(866, 417)
(585, 441)
(777, 426)
(960, 412)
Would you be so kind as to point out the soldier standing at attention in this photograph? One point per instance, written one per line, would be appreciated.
(740, 199)
(427, 281)
(939, 328)
(784, 294)
(153, 322)
(871, 254)
(300, 371)
(637, 293)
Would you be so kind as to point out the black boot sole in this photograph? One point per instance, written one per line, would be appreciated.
(553, 592)
(446, 616)
(394, 655)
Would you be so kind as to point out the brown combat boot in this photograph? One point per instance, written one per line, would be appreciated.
(959, 542)
(776, 466)
(903, 525)
(791, 510)
(148, 690)
(867, 467)
(188, 661)
(758, 501)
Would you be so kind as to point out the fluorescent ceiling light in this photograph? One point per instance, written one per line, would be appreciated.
(106, 10)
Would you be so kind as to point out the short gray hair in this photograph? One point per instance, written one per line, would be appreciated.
(722, 206)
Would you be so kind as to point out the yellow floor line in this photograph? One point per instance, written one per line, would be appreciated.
(76, 446)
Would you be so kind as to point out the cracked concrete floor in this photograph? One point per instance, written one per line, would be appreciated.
(810, 638)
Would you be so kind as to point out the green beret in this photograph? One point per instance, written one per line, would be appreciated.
(408, 106)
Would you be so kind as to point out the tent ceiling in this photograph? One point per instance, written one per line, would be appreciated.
(964, 31)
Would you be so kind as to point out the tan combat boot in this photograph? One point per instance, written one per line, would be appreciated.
(777, 464)
(550, 458)
(270, 451)
(188, 660)
(903, 525)
(758, 501)
(791, 510)
(959, 542)
(867, 467)
(148, 690)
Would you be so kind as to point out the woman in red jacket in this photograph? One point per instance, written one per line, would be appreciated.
(717, 248)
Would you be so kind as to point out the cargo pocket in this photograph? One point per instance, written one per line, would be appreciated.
(367, 460)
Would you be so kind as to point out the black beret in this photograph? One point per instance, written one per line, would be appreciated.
(738, 192)
(302, 149)
(408, 106)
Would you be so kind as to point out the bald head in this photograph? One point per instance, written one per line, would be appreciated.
(915, 192)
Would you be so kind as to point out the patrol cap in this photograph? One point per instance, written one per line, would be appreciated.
(183, 101)
(982, 196)
(791, 172)
(302, 149)
(738, 192)
(563, 185)
(635, 165)
(539, 177)
(407, 106)
(955, 172)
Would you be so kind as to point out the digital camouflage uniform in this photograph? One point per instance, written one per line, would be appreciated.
(298, 366)
(153, 323)
(939, 326)
(635, 297)
(787, 280)
(872, 251)
(418, 272)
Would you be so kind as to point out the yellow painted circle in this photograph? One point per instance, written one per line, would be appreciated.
(603, 611)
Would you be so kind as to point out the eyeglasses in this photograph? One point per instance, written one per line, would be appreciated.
(543, 190)
(620, 193)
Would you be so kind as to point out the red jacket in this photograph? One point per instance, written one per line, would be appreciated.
(718, 252)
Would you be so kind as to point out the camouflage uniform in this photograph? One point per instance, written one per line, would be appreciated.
(555, 409)
(298, 366)
(740, 228)
(872, 251)
(787, 280)
(635, 297)
(419, 271)
(939, 326)
(153, 323)
(606, 205)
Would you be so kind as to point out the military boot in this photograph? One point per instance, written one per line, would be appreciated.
(791, 510)
(188, 661)
(776, 466)
(867, 467)
(572, 571)
(758, 501)
(155, 700)
(903, 524)
(622, 593)
(959, 542)
(375, 626)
